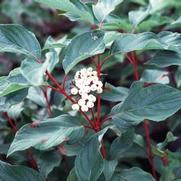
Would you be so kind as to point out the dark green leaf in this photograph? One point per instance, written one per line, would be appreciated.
(146, 41)
(47, 134)
(83, 46)
(155, 102)
(132, 174)
(16, 39)
(109, 168)
(114, 94)
(16, 173)
(47, 161)
(165, 59)
(121, 144)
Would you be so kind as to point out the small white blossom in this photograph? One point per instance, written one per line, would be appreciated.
(99, 90)
(81, 102)
(75, 107)
(86, 82)
(85, 96)
(92, 98)
(90, 104)
(84, 108)
(74, 91)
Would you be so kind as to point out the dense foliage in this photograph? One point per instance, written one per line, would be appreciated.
(90, 90)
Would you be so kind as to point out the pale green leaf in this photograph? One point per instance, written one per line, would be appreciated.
(75, 9)
(155, 76)
(104, 7)
(12, 83)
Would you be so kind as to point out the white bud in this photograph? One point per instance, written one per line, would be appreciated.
(87, 89)
(81, 102)
(84, 96)
(92, 98)
(90, 69)
(93, 87)
(84, 108)
(75, 107)
(90, 104)
(74, 91)
(99, 90)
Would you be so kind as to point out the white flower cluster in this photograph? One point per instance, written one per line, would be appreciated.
(85, 83)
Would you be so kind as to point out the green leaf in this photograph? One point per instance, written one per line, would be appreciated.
(72, 176)
(161, 4)
(122, 144)
(169, 138)
(47, 134)
(46, 162)
(35, 94)
(132, 174)
(83, 46)
(53, 44)
(104, 7)
(16, 39)
(165, 58)
(137, 16)
(155, 76)
(156, 102)
(114, 94)
(178, 77)
(34, 71)
(16, 173)
(12, 83)
(109, 168)
(75, 9)
(89, 166)
(146, 41)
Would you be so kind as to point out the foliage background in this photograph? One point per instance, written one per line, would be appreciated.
(45, 22)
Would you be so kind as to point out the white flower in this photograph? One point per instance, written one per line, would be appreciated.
(99, 90)
(87, 89)
(92, 98)
(81, 102)
(90, 104)
(93, 87)
(75, 107)
(84, 108)
(86, 81)
(85, 96)
(74, 91)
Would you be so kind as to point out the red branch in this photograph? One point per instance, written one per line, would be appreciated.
(11, 122)
(133, 60)
(45, 92)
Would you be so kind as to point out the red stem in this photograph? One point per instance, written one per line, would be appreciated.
(149, 150)
(98, 124)
(133, 60)
(45, 92)
(11, 122)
